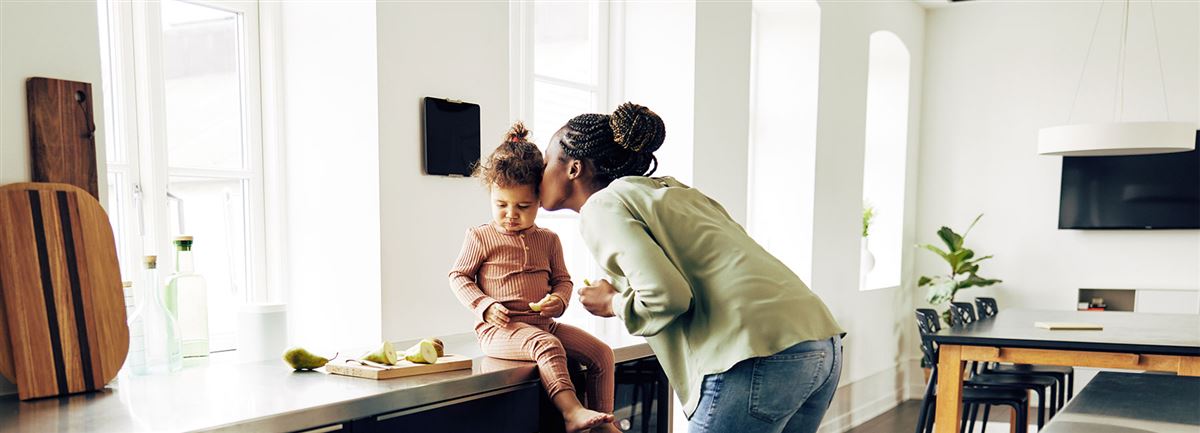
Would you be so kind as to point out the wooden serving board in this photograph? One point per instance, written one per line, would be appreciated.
(62, 132)
(401, 369)
(62, 322)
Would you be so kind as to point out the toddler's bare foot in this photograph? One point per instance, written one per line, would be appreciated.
(581, 420)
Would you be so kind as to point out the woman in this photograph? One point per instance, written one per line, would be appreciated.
(746, 345)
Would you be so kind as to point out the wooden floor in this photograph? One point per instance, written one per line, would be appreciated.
(903, 419)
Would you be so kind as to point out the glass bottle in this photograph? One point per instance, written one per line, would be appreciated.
(159, 327)
(135, 361)
(190, 293)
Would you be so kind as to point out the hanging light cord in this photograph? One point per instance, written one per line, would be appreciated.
(1119, 92)
(1079, 83)
(1162, 77)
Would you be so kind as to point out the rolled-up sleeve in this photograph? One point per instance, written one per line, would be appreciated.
(655, 292)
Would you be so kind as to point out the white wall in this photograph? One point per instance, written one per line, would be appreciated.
(44, 39)
(329, 97)
(657, 40)
(722, 103)
(442, 49)
(878, 322)
(997, 72)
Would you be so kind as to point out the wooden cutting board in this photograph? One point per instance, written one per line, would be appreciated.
(63, 316)
(401, 369)
(62, 132)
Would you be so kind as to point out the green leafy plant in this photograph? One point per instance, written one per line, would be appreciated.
(964, 268)
(868, 216)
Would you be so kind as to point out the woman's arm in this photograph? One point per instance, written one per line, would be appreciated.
(462, 276)
(657, 292)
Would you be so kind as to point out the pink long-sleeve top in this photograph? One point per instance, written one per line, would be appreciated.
(512, 268)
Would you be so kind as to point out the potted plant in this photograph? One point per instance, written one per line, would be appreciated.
(964, 269)
(868, 259)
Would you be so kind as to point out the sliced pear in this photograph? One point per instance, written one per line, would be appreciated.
(385, 354)
(424, 352)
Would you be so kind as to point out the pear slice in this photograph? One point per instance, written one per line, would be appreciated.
(423, 352)
(385, 354)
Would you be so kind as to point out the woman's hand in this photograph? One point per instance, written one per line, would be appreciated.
(552, 306)
(496, 315)
(597, 299)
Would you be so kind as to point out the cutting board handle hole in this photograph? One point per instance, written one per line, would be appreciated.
(80, 96)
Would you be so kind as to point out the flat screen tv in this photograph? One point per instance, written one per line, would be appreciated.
(1131, 192)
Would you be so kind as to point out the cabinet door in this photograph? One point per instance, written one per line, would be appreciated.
(510, 410)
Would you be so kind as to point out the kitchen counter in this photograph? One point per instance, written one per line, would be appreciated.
(269, 396)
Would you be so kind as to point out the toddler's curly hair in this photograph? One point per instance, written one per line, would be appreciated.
(516, 162)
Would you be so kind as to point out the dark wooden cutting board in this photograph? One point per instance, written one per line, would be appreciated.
(63, 320)
(62, 132)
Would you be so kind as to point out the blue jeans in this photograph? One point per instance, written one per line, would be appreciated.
(787, 392)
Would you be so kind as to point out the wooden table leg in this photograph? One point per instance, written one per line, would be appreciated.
(949, 392)
(1189, 365)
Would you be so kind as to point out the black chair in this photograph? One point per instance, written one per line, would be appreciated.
(987, 307)
(963, 314)
(973, 397)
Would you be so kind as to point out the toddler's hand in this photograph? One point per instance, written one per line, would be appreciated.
(496, 315)
(550, 306)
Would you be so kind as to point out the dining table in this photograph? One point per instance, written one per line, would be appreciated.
(1119, 340)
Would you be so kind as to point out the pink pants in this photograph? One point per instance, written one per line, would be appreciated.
(550, 344)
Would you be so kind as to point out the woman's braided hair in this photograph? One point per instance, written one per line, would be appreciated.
(515, 162)
(617, 145)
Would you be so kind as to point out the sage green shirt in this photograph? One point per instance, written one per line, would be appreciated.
(704, 294)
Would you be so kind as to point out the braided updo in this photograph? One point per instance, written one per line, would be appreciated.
(617, 145)
(516, 162)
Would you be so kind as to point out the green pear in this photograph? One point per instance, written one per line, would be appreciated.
(424, 352)
(301, 359)
(441, 347)
(385, 354)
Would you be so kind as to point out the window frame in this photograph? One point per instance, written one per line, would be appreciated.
(132, 47)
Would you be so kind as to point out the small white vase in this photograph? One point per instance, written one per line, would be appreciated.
(868, 260)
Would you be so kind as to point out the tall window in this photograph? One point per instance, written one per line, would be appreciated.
(561, 71)
(185, 144)
(783, 134)
(885, 160)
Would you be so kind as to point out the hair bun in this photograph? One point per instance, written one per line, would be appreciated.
(637, 129)
(517, 133)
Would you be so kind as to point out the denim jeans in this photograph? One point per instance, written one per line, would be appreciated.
(787, 392)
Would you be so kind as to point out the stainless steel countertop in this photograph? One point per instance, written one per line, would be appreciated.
(269, 396)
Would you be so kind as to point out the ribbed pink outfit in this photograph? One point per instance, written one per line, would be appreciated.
(514, 269)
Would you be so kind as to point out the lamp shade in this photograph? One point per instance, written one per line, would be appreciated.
(1117, 138)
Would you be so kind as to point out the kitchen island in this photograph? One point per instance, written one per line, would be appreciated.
(267, 396)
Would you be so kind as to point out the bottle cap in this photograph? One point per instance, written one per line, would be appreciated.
(151, 262)
(183, 243)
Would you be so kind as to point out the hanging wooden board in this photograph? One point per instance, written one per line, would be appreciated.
(62, 132)
(63, 305)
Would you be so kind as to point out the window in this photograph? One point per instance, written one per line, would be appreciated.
(560, 71)
(885, 159)
(783, 121)
(185, 144)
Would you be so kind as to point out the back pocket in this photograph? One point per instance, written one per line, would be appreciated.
(782, 383)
